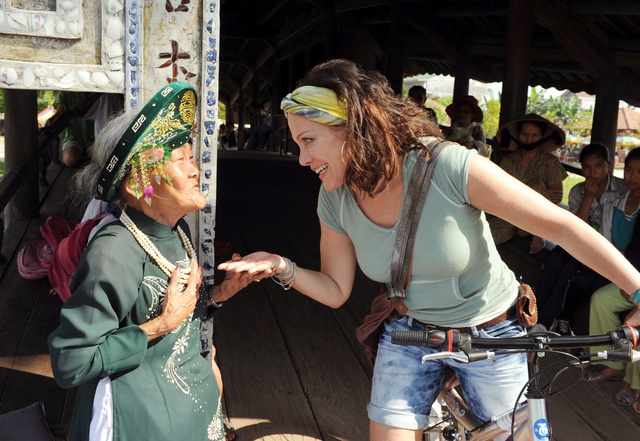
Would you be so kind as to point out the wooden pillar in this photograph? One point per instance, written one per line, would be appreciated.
(21, 147)
(605, 112)
(394, 68)
(517, 60)
(461, 84)
(241, 118)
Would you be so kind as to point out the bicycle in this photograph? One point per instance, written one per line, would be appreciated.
(527, 420)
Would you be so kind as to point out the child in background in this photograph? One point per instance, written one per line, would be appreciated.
(586, 200)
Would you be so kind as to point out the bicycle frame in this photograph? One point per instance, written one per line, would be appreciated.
(476, 430)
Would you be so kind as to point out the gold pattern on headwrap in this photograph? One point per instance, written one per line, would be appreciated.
(317, 104)
(150, 153)
(188, 107)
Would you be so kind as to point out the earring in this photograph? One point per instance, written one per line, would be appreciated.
(342, 153)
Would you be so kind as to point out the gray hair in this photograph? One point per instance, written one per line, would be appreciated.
(85, 181)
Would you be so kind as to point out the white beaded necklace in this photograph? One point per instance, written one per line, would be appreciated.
(147, 245)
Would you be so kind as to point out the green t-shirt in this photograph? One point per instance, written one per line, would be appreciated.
(457, 276)
(162, 389)
(78, 128)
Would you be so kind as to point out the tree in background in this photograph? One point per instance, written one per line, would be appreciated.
(491, 110)
(45, 99)
(565, 113)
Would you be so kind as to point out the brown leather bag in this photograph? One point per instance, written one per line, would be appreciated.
(526, 306)
(368, 333)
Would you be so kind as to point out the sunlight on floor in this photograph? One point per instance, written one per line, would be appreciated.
(32, 364)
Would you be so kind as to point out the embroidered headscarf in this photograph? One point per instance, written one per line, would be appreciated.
(163, 124)
(318, 104)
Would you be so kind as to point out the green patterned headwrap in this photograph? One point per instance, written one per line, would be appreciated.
(163, 124)
(318, 104)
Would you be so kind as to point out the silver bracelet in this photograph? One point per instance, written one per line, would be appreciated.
(288, 276)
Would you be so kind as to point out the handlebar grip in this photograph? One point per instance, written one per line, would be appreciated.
(630, 333)
(434, 339)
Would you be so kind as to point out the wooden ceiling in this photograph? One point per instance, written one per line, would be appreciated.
(574, 44)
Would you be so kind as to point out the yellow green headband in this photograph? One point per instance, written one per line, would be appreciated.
(318, 104)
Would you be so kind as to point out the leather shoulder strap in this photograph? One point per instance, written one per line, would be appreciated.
(409, 218)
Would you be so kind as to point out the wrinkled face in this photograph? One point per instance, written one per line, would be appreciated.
(529, 133)
(595, 167)
(632, 174)
(320, 149)
(464, 114)
(183, 195)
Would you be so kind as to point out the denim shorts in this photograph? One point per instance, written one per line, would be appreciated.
(404, 388)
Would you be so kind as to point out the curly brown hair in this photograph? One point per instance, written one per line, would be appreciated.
(381, 127)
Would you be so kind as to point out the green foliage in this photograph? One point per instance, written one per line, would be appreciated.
(564, 113)
(491, 110)
(45, 99)
(1, 169)
(222, 111)
(445, 101)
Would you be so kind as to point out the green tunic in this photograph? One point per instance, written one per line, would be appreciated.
(161, 389)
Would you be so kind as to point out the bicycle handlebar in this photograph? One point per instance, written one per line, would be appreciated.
(452, 341)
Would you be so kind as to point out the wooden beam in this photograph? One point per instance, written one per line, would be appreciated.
(517, 61)
(437, 37)
(571, 31)
(21, 147)
(394, 66)
(354, 5)
(474, 9)
(598, 7)
(605, 112)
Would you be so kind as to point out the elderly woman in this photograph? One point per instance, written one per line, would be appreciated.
(531, 139)
(363, 141)
(129, 335)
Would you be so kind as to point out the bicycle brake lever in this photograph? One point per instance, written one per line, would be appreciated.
(621, 355)
(459, 356)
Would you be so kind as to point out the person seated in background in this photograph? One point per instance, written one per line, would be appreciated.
(260, 127)
(586, 200)
(432, 114)
(531, 140)
(466, 129)
(607, 303)
(79, 132)
(418, 95)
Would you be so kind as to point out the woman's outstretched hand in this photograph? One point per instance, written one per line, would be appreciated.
(235, 281)
(258, 265)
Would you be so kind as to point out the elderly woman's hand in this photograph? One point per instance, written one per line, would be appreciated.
(177, 305)
(235, 281)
